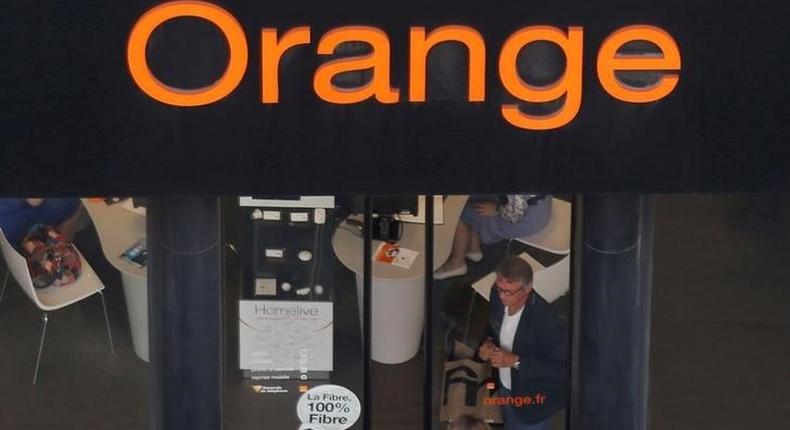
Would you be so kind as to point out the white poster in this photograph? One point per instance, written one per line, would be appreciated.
(328, 407)
(285, 336)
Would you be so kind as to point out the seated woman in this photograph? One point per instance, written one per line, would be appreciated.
(489, 219)
(17, 216)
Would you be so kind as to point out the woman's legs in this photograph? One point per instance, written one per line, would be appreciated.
(455, 265)
(461, 241)
(474, 243)
(465, 242)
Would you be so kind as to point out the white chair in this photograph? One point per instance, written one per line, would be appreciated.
(52, 298)
(555, 237)
(554, 281)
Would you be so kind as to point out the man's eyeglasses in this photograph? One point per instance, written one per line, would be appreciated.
(508, 293)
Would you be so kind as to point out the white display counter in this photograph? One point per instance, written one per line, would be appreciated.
(397, 298)
(119, 229)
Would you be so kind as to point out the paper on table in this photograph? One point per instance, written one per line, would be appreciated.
(394, 254)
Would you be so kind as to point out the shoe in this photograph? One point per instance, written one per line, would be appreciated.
(445, 274)
(474, 257)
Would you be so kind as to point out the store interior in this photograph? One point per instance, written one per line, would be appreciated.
(718, 341)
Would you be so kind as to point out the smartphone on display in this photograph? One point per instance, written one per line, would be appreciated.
(137, 254)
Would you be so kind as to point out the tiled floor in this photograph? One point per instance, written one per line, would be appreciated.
(721, 318)
(80, 384)
(720, 339)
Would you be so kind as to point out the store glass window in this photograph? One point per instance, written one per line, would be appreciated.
(296, 309)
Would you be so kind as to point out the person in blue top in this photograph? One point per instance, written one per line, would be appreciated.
(18, 215)
(489, 219)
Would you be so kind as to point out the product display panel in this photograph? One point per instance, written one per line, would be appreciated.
(292, 315)
(298, 328)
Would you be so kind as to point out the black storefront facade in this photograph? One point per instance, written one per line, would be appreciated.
(71, 84)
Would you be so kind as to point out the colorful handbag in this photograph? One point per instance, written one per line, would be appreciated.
(51, 259)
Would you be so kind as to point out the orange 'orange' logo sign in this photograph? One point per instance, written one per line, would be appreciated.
(569, 85)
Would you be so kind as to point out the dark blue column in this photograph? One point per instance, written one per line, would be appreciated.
(612, 313)
(185, 313)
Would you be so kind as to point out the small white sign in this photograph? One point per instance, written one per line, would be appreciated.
(265, 287)
(300, 217)
(271, 215)
(328, 407)
(285, 336)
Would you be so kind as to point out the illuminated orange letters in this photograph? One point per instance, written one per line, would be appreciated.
(420, 44)
(610, 61)
(378, 60)
(271, 52)
(418, 51)
(138, 64)
(569, 84)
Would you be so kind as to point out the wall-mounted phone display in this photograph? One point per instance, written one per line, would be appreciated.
(286, 299)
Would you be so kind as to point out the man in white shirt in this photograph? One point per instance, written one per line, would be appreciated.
(528, 346)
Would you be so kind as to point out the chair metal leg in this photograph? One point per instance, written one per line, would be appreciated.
(41, 346)
(5, 284)
(107, 321)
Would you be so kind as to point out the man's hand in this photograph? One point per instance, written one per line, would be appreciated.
(502, 358)
(485, 208)
(486, 349)
(35, 202)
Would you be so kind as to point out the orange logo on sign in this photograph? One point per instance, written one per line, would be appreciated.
(273, 46)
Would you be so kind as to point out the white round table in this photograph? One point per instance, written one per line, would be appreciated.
(119, 229)
(397, 297)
